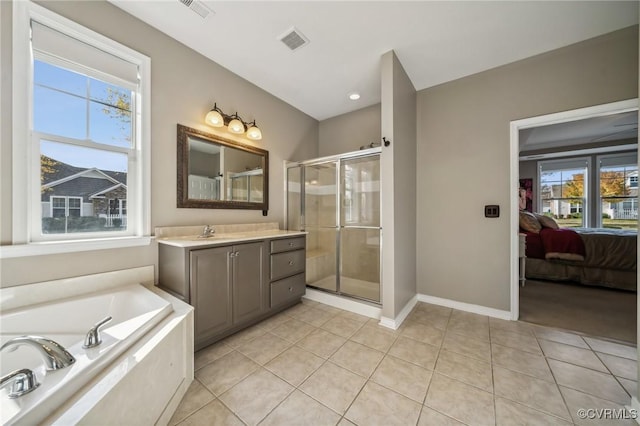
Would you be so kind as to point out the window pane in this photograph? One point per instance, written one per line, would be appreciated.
(58, 212)
(619, 192)
(110, 114)
(59, 113)
(563, 194)
(618, 180)
(45, 74)
(620, 214)
(109, 125)
(562, 183)
(58, 202)
(89, 178)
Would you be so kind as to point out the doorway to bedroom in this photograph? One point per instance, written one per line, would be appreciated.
(575, 185)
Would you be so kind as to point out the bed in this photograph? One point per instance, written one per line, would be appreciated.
(609, 257)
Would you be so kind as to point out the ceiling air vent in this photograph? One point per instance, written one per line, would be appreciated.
(293, 39)
(197, 6)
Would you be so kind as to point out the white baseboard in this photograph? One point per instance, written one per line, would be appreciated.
(398, 320)
(467, 307)
(634, 409)
(361, 308)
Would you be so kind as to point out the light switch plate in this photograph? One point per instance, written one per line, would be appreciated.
(492, 210)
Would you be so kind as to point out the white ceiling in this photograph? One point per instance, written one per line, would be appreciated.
(436, 41)
(593, 130)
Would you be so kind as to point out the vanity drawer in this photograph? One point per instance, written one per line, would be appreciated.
(287, 289)
(287, 264)
(287, 244)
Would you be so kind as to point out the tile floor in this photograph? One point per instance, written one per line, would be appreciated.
(317, 365)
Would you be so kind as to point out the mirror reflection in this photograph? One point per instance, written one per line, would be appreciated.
(218, 173)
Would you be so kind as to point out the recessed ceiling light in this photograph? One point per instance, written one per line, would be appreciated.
(354, 96)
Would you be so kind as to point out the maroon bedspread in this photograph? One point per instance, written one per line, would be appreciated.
(555, 244)
(563, 244)
(534, 247)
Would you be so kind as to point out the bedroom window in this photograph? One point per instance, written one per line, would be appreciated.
(81, 137)
(618, 191)
(564, 193)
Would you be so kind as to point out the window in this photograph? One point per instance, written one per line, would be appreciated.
(66, 207)
(564, 192)
(618, 190)
(87, 118)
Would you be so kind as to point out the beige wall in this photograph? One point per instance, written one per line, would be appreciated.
(463, 157)
(184, 85)
(398, 192)
(348, 132)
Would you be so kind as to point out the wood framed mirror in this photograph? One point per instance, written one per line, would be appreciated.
(218, 173)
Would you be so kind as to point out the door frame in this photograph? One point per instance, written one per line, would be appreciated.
(514, 172)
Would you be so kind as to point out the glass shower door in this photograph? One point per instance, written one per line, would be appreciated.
(360, 227)
(321, 223)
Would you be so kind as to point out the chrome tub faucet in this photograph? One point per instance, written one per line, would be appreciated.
(55, 356)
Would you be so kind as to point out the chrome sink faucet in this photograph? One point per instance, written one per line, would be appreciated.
(207, 232)
(55, 356)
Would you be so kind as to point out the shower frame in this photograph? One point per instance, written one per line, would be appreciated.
(337, 159)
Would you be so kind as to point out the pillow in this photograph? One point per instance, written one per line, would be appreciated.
(546, 221)
(529, 222)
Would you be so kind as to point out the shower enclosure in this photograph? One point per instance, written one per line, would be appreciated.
(337, 201)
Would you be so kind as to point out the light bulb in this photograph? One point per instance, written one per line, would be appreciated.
(214, 118)
(236, 126)
(254, 133)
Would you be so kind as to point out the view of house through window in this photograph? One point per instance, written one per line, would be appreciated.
(619, 192)
(563, 193)
(84, 130)
(610, 202)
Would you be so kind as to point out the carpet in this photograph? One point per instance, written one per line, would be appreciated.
(595, 311)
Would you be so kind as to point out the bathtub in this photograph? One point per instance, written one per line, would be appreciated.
(135, 310)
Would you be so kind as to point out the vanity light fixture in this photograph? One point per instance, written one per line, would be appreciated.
(217, 118)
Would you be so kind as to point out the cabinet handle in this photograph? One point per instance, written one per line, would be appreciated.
(237, 253)
(290, 244)
(290, 289)
(291, 263)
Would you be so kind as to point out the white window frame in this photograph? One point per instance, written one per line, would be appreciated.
(26, 159)
(586, 211)
(633, 160)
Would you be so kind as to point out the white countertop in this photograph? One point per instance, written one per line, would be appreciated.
(190, 241)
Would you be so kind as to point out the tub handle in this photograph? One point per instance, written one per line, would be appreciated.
(20, 382)
(92, 338)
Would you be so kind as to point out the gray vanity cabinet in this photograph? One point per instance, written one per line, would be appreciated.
(234, 286)
(228, 287)
(288, 261)
(249, 281)
(211, 275)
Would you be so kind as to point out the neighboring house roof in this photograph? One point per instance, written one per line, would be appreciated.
(71, 181)
(59, 171)
(103, 192)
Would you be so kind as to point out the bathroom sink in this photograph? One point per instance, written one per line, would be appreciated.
(216, 237)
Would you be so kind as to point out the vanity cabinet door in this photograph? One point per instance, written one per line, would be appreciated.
(249, 281)
(211, 279)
